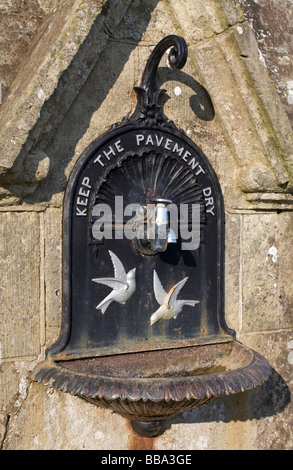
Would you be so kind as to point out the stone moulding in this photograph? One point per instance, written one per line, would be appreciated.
(228, 64)
(58, 65)
(254, 124)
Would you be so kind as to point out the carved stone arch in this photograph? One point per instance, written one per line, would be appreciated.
(250, 133)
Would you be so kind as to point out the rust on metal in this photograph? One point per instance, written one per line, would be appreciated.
(155, 385)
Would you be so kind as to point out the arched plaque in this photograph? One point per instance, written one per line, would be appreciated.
(145, 161)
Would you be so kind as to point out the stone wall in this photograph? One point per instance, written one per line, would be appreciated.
(233, 99)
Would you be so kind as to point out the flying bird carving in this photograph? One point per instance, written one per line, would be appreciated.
(123, 284)
(169, 305)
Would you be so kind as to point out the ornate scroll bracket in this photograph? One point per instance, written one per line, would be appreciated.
(148, 109)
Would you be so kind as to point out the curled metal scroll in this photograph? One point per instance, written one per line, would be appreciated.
(148, 93)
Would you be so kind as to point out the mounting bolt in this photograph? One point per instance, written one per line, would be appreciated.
(142, 210)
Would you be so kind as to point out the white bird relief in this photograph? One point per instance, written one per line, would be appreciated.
(123, 284)
(169, 305)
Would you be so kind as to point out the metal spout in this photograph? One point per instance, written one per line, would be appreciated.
(160, 227)
(159, 233)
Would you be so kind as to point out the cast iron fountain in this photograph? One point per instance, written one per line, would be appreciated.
(143, 326)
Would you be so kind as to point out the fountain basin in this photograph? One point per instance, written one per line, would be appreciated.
(149, 387)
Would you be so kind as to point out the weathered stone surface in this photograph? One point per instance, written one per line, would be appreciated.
(242, 114)
(52, 273)
(73, 38)
(208, 429)
(25, 176)
(273, 31)
(194, 21)
(249, 122)
(14, 385)
(13, 391)
(232, 269)
(50, 420)
(267, 262)
(99, 104)
(20, 284)
(272, 407)
(18, 27)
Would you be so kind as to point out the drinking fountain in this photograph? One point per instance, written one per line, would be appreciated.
(143, 329)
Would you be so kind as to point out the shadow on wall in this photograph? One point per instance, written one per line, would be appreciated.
(104, 75)
(200, 101)
(65, 136)
(267, 400)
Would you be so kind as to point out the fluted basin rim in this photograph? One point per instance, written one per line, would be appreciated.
(177, 388)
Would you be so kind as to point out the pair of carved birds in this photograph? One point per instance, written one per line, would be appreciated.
(123, 286)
